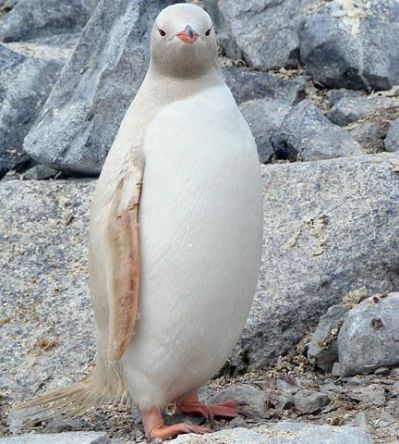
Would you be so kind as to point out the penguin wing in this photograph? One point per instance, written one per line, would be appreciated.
(123, 237)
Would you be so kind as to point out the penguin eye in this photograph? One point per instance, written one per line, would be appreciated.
(162, 32)
(208, 32)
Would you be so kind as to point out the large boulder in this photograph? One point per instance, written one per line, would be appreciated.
(349, 44)
(369, 337)
(264, 34)
(330, 228)
(27, 19)
(306, 134)
(76, 128)
(46, 319)
(25, 83)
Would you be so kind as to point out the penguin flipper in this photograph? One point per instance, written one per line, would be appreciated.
(124, 279)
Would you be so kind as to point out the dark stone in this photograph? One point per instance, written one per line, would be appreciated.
(79, 122)
(352, 45)
(264, 118)
(335, 95)
(28, 19)
(25, 84)
(263, 33)
(40, 172)
(306, 134)
(351, 109)
(370, 135)
(306, 401)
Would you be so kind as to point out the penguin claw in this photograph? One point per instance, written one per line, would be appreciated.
(166, 432)
(227, 410)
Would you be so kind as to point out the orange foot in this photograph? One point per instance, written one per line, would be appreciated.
(190, 403)
(155, 427)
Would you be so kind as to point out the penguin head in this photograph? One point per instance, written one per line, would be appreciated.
(183, 41)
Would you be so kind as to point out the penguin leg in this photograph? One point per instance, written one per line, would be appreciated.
(154, 426)
(190, 403)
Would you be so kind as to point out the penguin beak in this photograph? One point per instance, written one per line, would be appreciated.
(188, 35)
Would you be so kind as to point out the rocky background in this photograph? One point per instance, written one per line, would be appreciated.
(318, 82)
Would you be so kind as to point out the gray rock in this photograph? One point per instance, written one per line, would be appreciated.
(64, 425)
(362, 420)
(77, 125)
(253, 399)
(323, 347)
(336, 370)
(25, 84)
(281, 433)
(370, 135)
(264, 118)
(352, 44)
(248, 85)
(39, 172)
(335, 95)
(47, 324)
(352, 109)
(320, 222)
(392, 139)
(282, 402)
(16, 418)
(55, 47)
(306, 401)
(59, 438)
(366, 118)
(282, 396)
(33, 18)
(372, 394)
(306, 134)
(286, 388)
(369, 337)
(264, 34)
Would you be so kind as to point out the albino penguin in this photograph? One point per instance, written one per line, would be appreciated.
(175, 235)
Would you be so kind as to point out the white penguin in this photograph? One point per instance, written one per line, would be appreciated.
(175, 235)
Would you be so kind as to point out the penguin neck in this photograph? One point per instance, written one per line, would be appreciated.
(159, 89)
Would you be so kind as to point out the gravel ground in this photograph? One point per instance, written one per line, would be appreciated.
(368, 401)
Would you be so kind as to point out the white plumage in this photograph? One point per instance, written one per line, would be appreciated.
(201, 238)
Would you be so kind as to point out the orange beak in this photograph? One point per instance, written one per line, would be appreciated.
(188, 35)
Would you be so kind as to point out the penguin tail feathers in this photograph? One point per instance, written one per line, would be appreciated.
(106, 385)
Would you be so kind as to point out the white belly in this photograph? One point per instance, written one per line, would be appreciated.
(201, 239)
